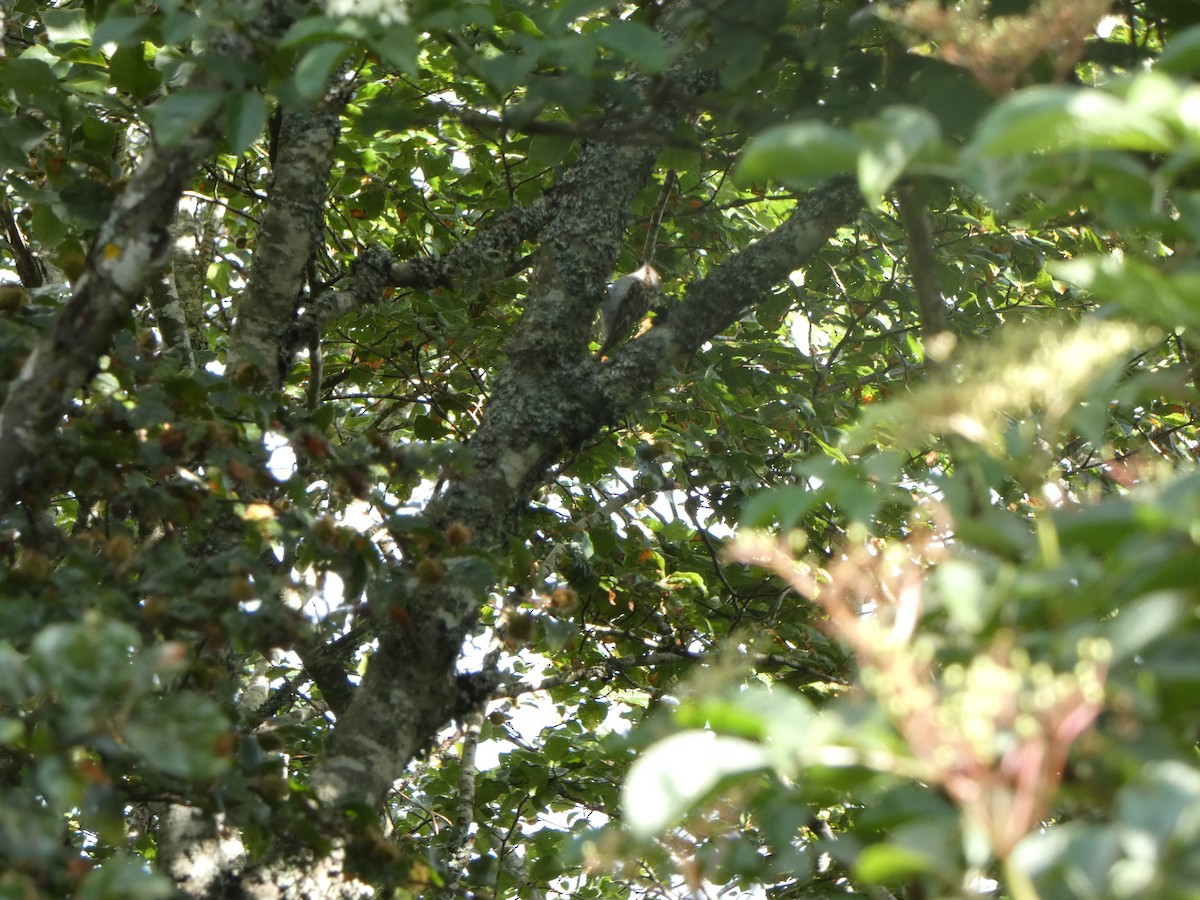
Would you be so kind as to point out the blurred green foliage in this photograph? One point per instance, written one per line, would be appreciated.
(976, 661)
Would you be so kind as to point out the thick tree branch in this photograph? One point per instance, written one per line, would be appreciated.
(922, 262)
(482, 258)
(171, 318)
(548, 398)
(194, 236)
(551, 396)
(291, 228)
(409, 689)
(491, 252)
(712, 304)
(131, 244)
(576, 397)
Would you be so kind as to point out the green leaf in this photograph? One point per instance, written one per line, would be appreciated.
(1181, 55)
(18, 136)
(1058, 117)
(472, 572)
(13, 683)
(557, 633)
(181, 25)
(125, 878)
(34, 84)
(1142, 622)
(592, 714)
(311, 30)
(741, 53)
(181, 735)
(506, 71)
(129, 71)
(67, 26)
(399, 47)
(791, 729)
(572, 9)
(800, 153)
(520, 22)
(723, 715)
(786, 506)
(245, 116)
(678, 772)
(549, 149)
(313, 72)
(890, 142)
(886, 863)
(177, 117)
(49, 228)
(640, 45)
(11, 730)
(1070, 860)
(426, 428)
(1104, 526)
(1140, 289)
(1162, 803)
(119, 30)
(964, 592)
(830, 451)
(84, 658)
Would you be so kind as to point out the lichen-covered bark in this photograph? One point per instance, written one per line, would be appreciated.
(551, 396)
(131, 245)
(291, 229)
(171, 319)
(461, 840)
(715, 302)
(194, 846)
(481, 259)
(409, 691)
(294, 872)
(542, 407)
(195, 236)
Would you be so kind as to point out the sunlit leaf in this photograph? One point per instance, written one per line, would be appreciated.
(678, 772)
(180, 116)
(247, 115)
(799, 153)
(890, 143)
(315, 68)
(641, 45)
(1058, 117)
(1181, 55)
(885, 863)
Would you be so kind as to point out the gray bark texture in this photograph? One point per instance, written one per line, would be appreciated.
(171, 318)
(194, 245)
(131, 247)
(290, 232)
(552, 396)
